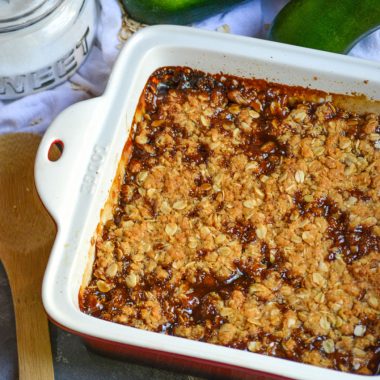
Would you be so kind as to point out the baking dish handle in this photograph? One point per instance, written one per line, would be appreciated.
(61, 156)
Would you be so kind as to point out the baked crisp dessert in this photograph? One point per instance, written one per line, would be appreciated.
(248, 217)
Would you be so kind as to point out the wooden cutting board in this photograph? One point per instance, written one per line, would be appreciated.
(26, 236)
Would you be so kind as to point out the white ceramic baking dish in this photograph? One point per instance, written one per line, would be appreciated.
(75, 188)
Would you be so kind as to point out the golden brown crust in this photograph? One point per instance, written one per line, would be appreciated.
(249, 217)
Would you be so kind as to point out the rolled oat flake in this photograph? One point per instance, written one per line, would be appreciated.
(42, 43)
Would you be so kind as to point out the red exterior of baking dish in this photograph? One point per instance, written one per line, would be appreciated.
(167, 360)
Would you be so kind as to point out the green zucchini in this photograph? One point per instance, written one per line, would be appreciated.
(178, 12)
(332, 25)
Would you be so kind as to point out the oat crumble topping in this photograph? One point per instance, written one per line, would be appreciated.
(248, 217)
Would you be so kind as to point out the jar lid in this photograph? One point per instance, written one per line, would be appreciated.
(18, 14)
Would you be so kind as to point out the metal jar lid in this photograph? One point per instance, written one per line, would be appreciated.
(18, 14)
(43, 42)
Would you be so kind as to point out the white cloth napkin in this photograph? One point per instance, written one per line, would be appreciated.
(34, 113)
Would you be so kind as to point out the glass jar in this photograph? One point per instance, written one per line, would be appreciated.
(42, 43)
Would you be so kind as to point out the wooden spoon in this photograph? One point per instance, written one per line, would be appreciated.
(26, 236)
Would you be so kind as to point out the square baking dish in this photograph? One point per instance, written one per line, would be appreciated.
(92, 135)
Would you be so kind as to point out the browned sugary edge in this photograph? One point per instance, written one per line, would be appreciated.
(353, 102)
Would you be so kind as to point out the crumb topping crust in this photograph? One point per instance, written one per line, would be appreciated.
(248, 217)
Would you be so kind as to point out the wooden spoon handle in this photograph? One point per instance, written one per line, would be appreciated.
(26, 237)
(32, 330)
